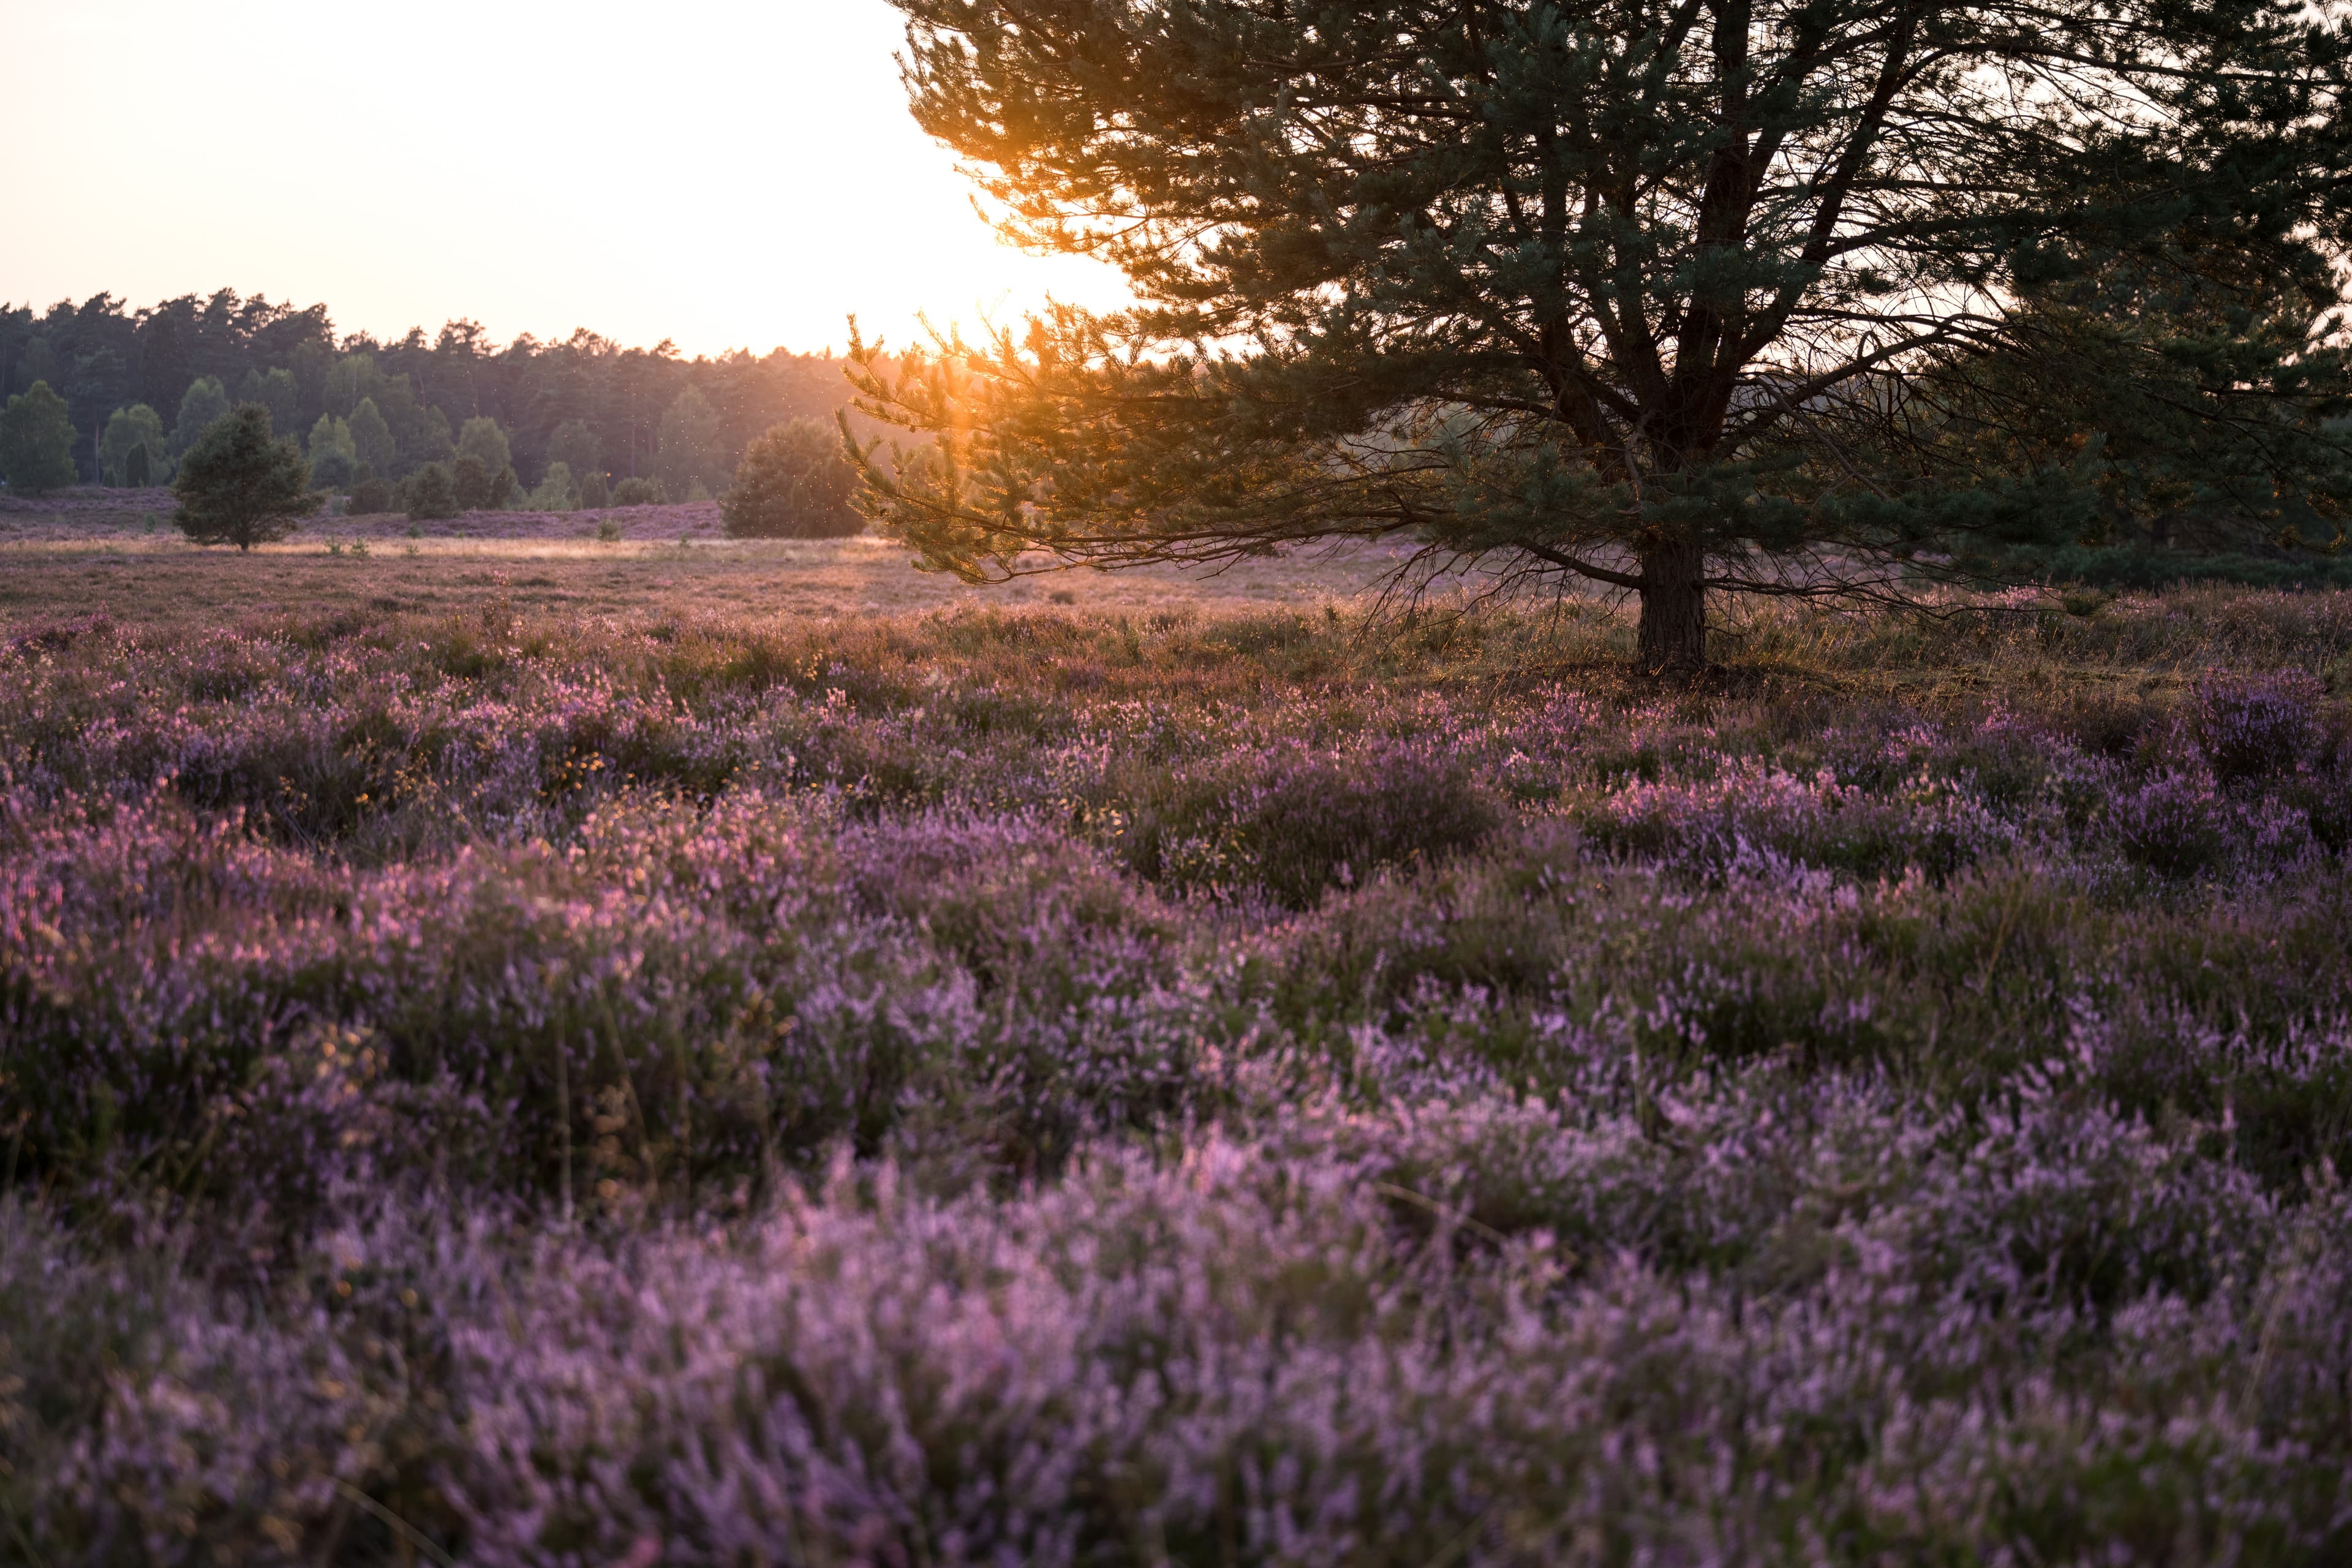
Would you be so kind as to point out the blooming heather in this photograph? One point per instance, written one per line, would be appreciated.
(1020, 1088)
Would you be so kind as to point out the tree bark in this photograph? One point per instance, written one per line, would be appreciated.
(1674, 606)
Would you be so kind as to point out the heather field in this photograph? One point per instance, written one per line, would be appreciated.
(615, 1055)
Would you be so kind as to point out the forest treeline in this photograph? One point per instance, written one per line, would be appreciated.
(584, 401)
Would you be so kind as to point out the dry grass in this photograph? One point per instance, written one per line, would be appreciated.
(115, 551)
(165, 581)
(93, 552)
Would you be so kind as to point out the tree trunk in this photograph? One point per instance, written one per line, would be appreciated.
(1674, 606)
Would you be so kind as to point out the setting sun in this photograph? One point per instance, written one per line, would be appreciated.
(719, 172)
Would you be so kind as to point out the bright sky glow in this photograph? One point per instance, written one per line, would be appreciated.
(724, 173)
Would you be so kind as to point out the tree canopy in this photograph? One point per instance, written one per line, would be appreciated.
(36, 441)
(1677, 296)
(102, 355)
(238, 485)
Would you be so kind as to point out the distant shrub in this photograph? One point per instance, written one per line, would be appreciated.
(793, 483)
(470, 481)
(477, 487)
(369, 494)
(2251, 728)
(238, 485)
(608, 530)
(639, 492)
(592, 493)
(431, 492)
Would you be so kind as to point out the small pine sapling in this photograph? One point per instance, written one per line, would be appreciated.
(237, 485)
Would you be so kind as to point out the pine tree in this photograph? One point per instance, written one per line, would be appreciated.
(36, 442)
(2141, 379)
(237, 486)
(794, 482)
(370, 494)
(1620, 293)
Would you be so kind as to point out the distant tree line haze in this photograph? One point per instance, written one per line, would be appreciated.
(128, 394)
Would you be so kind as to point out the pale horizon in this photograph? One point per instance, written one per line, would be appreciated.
(730, 176)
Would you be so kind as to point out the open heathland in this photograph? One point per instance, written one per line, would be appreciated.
(603, 1053)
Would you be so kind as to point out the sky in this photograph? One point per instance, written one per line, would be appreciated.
(726, 174)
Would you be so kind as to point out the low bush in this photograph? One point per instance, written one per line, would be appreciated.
(371, 495)
(1292, 820)
(794, 482)
(430, 493)
(2252, 727)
